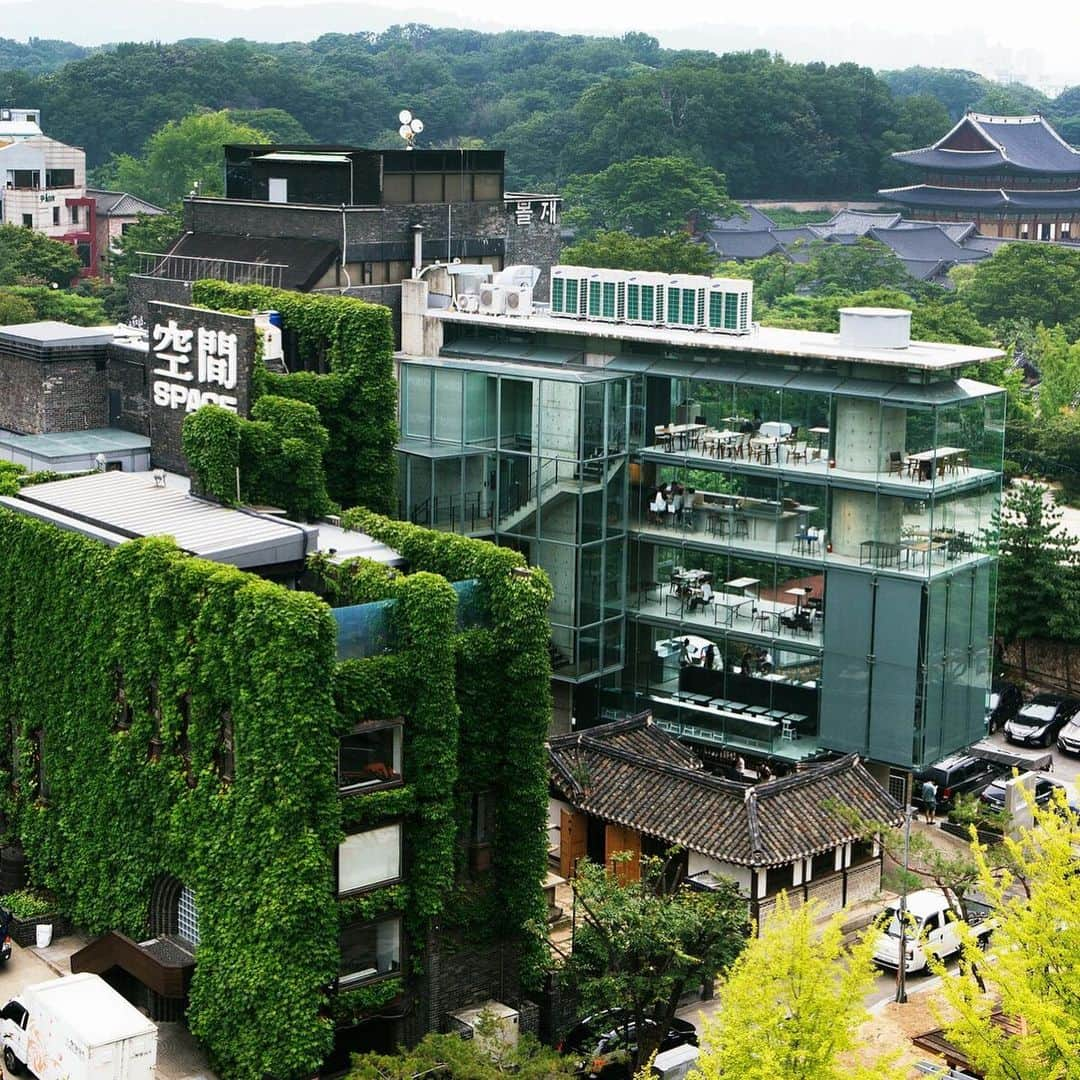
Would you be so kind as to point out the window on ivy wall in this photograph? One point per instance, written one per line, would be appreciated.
(370, 756)
(369, 858)
(42, 772)
(187, 916)
(369, 951)
(224, 754)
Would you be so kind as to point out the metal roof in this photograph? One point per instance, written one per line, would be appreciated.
(72, 443)
(321, 159)
(118, 506)
(50, 332)
(516, 371)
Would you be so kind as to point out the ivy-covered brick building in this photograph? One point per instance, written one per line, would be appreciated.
(314, 792)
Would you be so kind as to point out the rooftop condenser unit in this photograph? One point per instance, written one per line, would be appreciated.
(569, 291)
(686, 302)
(645, 298)
(606, 300)
(730, 306)
(492, 299)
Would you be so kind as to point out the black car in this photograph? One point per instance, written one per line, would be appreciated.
(1040, 720)
(993, 796)
(606, 1042)
(1069, 736)
(957, 774)
(1002, 704)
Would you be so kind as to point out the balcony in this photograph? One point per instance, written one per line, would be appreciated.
(937, 470)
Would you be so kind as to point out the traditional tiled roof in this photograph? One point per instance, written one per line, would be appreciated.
(979, 142)
(754, 221)
(983, 199)
(955, 230)
(859, 222)
(742, 244)
(928, 242)
(631, 773)
(120, 203)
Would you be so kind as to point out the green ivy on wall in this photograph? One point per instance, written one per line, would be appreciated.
(503, 691)
(112, 652)
(356, 399)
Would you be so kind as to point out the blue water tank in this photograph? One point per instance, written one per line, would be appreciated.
(275, 318)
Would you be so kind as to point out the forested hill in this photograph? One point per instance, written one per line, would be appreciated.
(38, 55)
(559, 105)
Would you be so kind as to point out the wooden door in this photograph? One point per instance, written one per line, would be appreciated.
(573, 840)
(618, 838)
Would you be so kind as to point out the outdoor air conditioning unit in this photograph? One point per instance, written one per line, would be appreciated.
(569, 291)
(492, 300)
(504, 1023)
(645, 298)
(606, 295)
(519, 300)
(730, 306)
(686, 301)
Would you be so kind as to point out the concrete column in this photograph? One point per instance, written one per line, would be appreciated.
(862, 515)
(420, 334)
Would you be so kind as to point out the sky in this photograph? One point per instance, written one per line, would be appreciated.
(1000, 41)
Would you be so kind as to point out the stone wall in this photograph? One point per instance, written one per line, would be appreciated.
(129, 386)
(1047, 662)
(141, 290)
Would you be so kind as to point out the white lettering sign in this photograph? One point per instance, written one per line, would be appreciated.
(524, 210)
(180, 387)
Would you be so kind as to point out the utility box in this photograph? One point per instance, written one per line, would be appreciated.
(676, 1063)
(493, 1024)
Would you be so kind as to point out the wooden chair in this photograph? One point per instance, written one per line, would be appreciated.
(896, 462)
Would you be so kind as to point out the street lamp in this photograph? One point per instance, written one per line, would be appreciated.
(901, 960)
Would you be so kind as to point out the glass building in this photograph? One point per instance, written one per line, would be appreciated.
(779, 542)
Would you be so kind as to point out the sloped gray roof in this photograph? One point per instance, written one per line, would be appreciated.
(754, 221)
(742, 244)
(632, 774)
(121, 203)
(305, 259)
(984, 199)
(1025, 144)
(859, 222)
(956, 230)
(928, 242)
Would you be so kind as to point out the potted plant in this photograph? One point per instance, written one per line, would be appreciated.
(31, 908)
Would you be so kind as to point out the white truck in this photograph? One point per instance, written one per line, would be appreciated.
(77, 1028)
(932, 929)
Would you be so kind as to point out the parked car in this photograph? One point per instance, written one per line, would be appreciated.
(1069, 736)
(932, 929)
(1040, 720)
(958, 774)
(1002, 704)
(605, 1043)
(993, 795)
(5, 935)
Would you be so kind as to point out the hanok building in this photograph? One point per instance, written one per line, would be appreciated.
(356, 221)
(1014, 176)
(628, 786)
(834, 492)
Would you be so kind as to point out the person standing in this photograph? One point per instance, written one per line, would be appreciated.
(929, 800)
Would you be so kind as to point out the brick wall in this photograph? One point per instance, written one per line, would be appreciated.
(141, 290)
(1049, 663)
(863, 882)
(43, 396)
(127, 376)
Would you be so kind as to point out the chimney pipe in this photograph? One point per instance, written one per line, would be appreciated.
(417, 249)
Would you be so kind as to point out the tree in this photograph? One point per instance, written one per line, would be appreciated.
(276, 125)
(1039, 282)
(1036, 950)
(792, 1004)
(61, 305)
(646, 196)
(15, 309)
(27, 257)
(640, 945)
(466, 1059)
(674, 254)
(866, 264)
(149, 232)
(179, 157)
(1058, 362)
(1034, 566)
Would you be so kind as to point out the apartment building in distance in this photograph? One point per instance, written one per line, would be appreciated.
(43, 187)
(775, 540)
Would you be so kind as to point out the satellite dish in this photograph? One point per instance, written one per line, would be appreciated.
(405, 131)
(416, 126)
(404, 116)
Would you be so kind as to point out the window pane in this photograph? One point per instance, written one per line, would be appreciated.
(369, 950)
(369, 858)
(369, 757)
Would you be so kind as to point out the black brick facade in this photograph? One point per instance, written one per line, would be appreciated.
(41, 396)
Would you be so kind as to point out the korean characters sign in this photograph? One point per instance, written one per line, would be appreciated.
(193, 366)
(529, 208)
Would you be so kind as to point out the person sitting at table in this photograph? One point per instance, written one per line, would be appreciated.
(709, 660)
(702, 596)
(756, 421)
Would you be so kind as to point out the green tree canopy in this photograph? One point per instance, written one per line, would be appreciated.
(1038, 282)
(15, 309)
(179, 157)
(647, 196)
(27, 257)
(1036, 949)
(150, 232)
(792, 1004)
(61, 305)
(866, 264)
(1035, 566)
(674, 254)
(641, 945)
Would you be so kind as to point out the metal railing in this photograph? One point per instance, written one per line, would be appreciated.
(197, 267)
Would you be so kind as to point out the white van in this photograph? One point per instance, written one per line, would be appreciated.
(932, 929)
